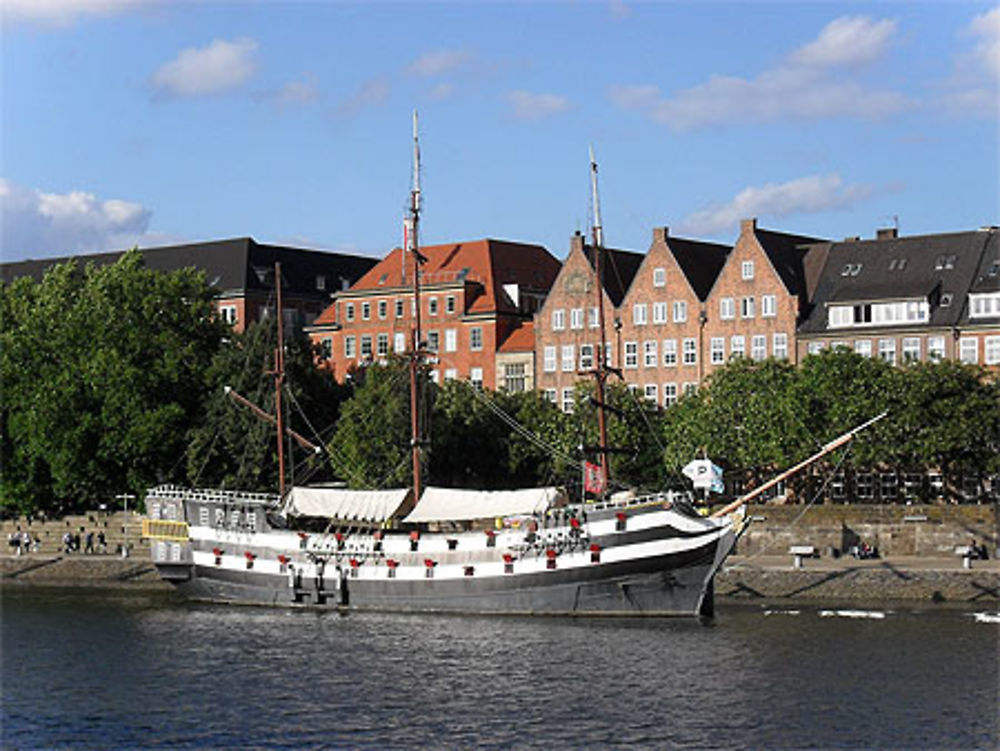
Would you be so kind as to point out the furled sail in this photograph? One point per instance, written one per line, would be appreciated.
(450, 504)
(350, 505)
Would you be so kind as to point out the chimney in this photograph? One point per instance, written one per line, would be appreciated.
(660, 234)
(576, 242)
(748, 225)
(886, 233)
(852, 239)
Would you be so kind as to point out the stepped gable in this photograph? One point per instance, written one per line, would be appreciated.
(940, 268)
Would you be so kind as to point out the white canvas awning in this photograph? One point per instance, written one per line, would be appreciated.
(349, 505)
(447, 504)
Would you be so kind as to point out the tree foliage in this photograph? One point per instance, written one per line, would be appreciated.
(102, 371)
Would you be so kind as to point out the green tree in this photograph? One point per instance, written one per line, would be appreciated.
(102, 375)
(233, 448)
(371, 445)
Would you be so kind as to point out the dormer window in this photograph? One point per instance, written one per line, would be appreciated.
(897, 264)
(381, 279)
(944, 263)
(946, 300)
(851, 269)
(320, 282)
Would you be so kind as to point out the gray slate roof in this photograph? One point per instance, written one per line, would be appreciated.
(940, 268)
(700, 262)
(236, 266)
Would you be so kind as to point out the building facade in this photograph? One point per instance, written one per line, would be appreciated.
(910, 299)
(473, 296)
(663, 316)
(567, 326)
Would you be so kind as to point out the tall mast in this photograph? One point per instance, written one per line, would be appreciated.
(279, 381)
(601, 371)
(412, 226)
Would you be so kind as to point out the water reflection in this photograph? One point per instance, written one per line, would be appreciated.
(119, 672)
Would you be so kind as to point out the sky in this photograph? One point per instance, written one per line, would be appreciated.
(148, 122)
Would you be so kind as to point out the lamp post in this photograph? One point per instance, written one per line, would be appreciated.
(124, 498)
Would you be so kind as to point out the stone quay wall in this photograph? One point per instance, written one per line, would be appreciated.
(922, 531)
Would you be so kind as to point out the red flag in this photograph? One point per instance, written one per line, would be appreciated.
(593, 478)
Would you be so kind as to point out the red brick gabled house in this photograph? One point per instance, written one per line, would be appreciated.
(761, 295)
(566, 326)
(662, 316)
(473, 295)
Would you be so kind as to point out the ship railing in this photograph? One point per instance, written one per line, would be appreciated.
(650, 499)
(206, 495)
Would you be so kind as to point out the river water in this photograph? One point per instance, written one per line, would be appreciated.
(124, 670)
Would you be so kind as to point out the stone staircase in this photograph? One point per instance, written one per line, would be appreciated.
(51, 531)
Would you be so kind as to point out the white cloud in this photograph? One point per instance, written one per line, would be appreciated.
(848, 40)
(438, 62)
(529, 106)
(220, 66)
(61, 13)
(305, 91)
(987, 52)
(42, 225)
(805, 87)
(442, 91)
(369, 94)
(803, 195)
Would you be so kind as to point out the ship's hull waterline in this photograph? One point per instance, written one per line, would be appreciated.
(637, 560)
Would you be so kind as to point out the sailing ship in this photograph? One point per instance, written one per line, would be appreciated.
(447, 550)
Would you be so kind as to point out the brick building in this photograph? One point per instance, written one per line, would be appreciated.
(566, 326)
(242, 270)
(474, 295)
(663, 316)
(515, 362)
(920, 298)
(761, 294)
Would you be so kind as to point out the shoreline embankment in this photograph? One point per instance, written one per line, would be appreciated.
(742, 579)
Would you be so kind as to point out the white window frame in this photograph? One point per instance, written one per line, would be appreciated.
(649, 391)
(689, 350)
(670, 353)
(639, 311)
(747, 307)
(350, 347)
(586, 357)
(576, 318)
(567, 400)
(659, 277)
(968, 350)
(659, 312)
(768, 306)
(650, 353)
(680, 311)
(399, 342)
(737, 346)
(727, 309)
(991, 350)
(558, 319)
(779, 345)
(717, 349)
(631, 355)
(476, 339)
(568, 358)
(887, 350)
(549, 359)
(451, 340)
(758, 347)
(935, 348)
(863, 347)
(669, 394)
(747, 271)
(476, 377)
(910, 348)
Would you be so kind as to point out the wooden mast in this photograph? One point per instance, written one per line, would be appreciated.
(279, 382)
(601, 371)
(412, 247)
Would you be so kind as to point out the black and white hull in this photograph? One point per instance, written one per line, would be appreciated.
(651, 556)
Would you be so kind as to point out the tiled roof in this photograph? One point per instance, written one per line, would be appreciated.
(237, 265)
(787, 254)
(987, 277)
(938, 267)
(521, 339)
(700, 262)
(491, 263)
(620, 267)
